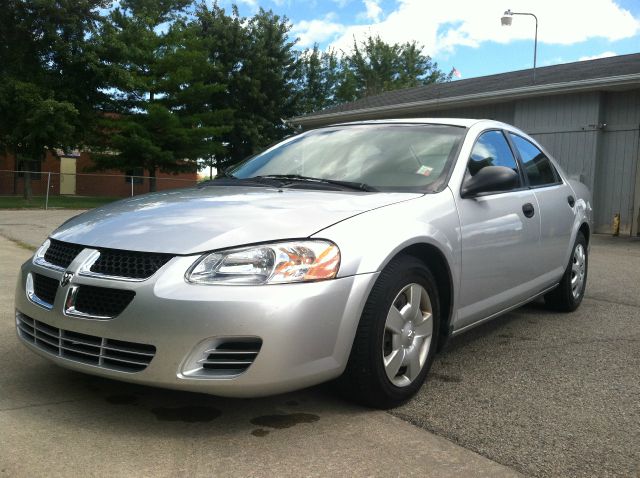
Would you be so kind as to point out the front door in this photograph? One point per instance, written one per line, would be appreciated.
(67, 175)
(500, 235)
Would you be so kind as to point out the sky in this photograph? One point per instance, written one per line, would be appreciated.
(466, 34)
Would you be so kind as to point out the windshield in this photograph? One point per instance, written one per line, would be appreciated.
(383, 156)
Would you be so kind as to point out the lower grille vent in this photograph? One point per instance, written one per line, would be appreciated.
(230, 358)
(45, 288)
(88, 349)
(102, 301)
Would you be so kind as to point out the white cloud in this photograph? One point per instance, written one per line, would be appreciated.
(317, 31)
(372, 10)
(604, 54)
(441, 26)
(252, 4)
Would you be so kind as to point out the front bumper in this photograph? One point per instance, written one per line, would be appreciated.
(306, 329)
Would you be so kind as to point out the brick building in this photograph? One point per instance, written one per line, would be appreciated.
(74, 175)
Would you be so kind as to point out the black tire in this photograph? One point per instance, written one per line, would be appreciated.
(365, 379)
(562, 298)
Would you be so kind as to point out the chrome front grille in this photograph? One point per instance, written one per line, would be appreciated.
(82, 301)
(132, 265)
(45, 288)
(230, 357)
(61, 254)
(116, 264)
(87, 349)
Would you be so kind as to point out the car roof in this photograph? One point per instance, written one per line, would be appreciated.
(463, 122)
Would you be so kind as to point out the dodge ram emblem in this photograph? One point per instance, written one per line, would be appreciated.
(66, 278)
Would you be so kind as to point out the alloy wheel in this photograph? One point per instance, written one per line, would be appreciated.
(407, 335)
(578, 270)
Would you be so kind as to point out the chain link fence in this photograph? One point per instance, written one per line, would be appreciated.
(52, 189)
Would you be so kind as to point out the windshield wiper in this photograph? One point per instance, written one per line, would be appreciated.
(309, 179)
(227, 179)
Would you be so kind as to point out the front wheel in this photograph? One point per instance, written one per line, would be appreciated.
(569, 293)
(395, 341)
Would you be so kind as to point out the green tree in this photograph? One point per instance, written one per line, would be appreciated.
(224, 38)
(264, 90)
(319, 76)
(416, 69)
(50, 86)
(372, 67)
(200, 104)
(375, 66)
(255, 60)
(162, 115)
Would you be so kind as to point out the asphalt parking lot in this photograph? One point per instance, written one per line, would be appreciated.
(549, 394)
(533, 392)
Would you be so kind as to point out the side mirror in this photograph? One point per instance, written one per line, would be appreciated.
(490, 179)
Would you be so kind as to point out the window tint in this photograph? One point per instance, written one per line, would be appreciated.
(491, 149)
(537, 166)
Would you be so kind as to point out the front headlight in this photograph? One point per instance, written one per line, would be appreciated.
(278, 263)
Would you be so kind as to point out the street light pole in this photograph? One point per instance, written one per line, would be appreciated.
(506, 22)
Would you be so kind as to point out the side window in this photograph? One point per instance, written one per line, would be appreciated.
(537, 166)
(491, 149)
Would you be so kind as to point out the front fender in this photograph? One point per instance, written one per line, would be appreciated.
(369, 241)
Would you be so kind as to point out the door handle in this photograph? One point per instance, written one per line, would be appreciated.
(571, 200)
(528, 210)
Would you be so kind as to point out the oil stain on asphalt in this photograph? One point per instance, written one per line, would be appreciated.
(281, 421)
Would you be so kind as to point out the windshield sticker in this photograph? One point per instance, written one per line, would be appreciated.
(424, 170)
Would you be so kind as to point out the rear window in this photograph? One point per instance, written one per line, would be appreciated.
(537, 166)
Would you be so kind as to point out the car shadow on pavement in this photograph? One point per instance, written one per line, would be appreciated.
(191, 407)
(123, 406)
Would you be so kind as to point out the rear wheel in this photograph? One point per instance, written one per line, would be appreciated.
(569, 293)
(395, 341)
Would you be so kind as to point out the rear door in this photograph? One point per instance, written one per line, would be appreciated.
(555, 201)
(500, 234)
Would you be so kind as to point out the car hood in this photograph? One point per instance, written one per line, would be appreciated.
(188, 221)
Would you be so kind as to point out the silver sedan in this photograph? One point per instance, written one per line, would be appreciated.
(350, 252)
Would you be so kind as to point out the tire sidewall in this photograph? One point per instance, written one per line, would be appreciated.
(575, 301)
(407, 271)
